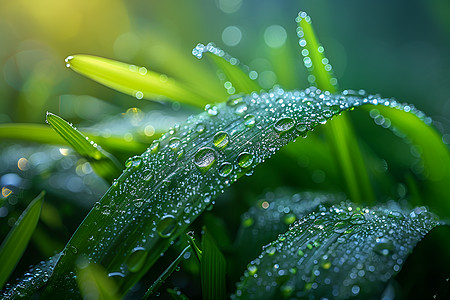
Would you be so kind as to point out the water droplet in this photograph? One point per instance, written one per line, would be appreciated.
(116, 275)
(247, 222)
(73, 249)
(340, 227)
(211, 110)
(221, 139)
(289, 219)
(204, 158)
(252, 269)
(166, 226)
(300, 253)
(136, 259)
(234, 100)
(240, 109)
(200, 128)
(249, 121)
(357, 219)
(174, 144)
(138, 202)
(355, 289)
(154, 147)
(245, 160)
(133, 162)
(284, 124)
(271, 250)
(383, 246)
(225, 169)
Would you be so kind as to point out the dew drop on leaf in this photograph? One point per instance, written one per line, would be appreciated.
(221, 139)
(284, 124)
(383, 246)
(166, 226)
(204, 158)
(249, 121)
(245, 160)
(225, 169)
(136, 259)
(174, 143)
(133, 162)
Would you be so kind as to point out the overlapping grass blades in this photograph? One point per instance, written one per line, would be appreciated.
(16, 242)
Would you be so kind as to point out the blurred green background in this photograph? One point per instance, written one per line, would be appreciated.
(395, 48)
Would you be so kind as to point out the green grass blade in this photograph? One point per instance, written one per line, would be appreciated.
(16, 241)
(340, 132)
(367, 246)
(45, 135)
(155, 286)
(103, 163)
(94, 282)
(434, 154)
(164, 190)
(212, 269)
(135, 81)
(239, 80)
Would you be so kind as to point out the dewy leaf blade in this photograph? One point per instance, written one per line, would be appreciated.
(135, 81)
(212, 269)
(103, 163)
(16, 241)
(164, 190)
(366, 246)
(340, 132)
(230, 66)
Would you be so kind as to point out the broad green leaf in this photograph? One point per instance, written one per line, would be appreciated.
(165, 189)
(30, 283)
(16, 241)
(337, 252)
(238, 80)
(212, 269)
(94, 283)
(103, 163)
(154, 287)
(136, 81)
(340, 132)
(45, 135)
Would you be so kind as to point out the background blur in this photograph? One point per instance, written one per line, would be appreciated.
(395, 48)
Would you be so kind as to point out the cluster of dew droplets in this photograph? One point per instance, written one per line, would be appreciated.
(339, 251)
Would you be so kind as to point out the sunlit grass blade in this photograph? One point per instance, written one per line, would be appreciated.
(94, 283)
(162, 191)
(45, 135)
(238, 80)
(212, 269)
(16, 242)
(103, 163)
(433, 152)
(303, 261)
(340, 132)
(154, 287)
(135, 81)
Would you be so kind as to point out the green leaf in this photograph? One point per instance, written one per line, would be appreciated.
(340, 132)
(135, 81)
(341, 251)
(231, 68)
(212, 269)
(103, 163)
(45, 135)
(95, 284)
(17, 239)
(164, 190)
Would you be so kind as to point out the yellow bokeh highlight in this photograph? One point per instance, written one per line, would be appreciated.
(6, 192)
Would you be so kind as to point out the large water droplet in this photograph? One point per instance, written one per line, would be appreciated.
(174, 143)
(154, 147)
(133, 162)
(240, 109)
(284, 124)
(225, 169)
(340, 227)
(200, 128)
(136, 259)
(166, 226)
(221, 139)
(204, 158)
(357, 219)
(383, 246)
(234, 100)
(249, 121)
(245, 160)
(138, 202)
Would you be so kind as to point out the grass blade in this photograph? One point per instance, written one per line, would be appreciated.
(305, 258)
(133, 80)
(241, 82)
(340, 132)
(212, 269)
(103, 163)
(94, 283)
(17, 239)
(165, 189)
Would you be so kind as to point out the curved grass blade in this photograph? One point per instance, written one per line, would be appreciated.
(212, 269)
(16, 241)
(30, 283)
(435, 155)
(103, 163)
(45, 135)
(340, 252)
(166, 188)
(340, 133)
(155, 286)
(239, 80)
(94, 282)
(135, 81)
